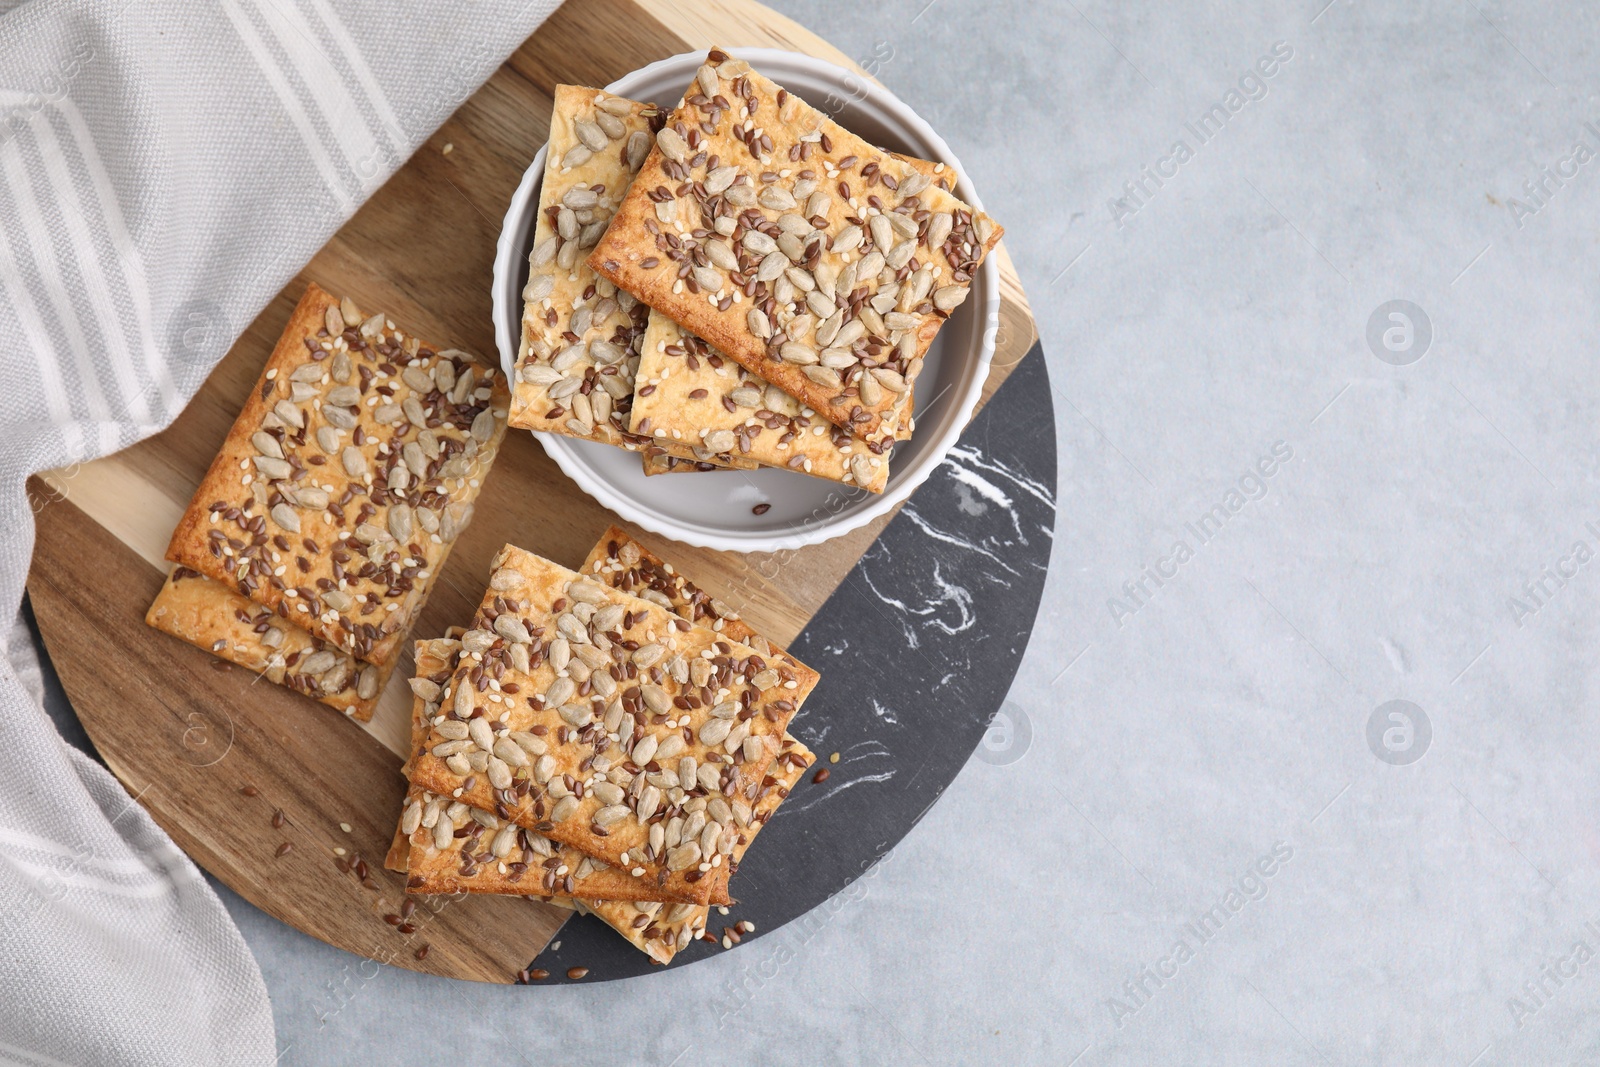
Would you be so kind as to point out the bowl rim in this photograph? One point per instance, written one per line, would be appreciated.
(507, 318)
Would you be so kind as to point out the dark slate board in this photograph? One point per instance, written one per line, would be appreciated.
(917, 649)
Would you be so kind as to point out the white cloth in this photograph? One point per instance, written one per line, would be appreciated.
(166, 166)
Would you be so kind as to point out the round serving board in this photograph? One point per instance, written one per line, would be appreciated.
(917, 633)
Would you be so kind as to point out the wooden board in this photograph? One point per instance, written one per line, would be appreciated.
(421, 250)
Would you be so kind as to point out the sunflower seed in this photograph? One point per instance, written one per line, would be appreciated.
(720, 440)
(672, 144)
(575, 714)
(608, 792)
(649, 801)
(509, 751)
(939, 227)
(655, 698)
(478, 729)
(869, 390)
(576, 156)
(355, 464)
(459, 766)
(713, 731)
(756, 319)
(609, 617)
(561, 690)
(638, 148)
(529, 743)
(611, 814)
(499, 773)
(948, 297)
(644, 750)
(611, 124)
(772, 267)
(285, 516)
(826, 377)
(707, 278)
(709, 838)
(267, 444)
(670, 746)
(512, 629)
(565, 808)
(846, 239)
(684, 856)
(543, 768)
(776, 198)
(719, 179)
(274, 469)
(570, 628)
(795, 352)
(591, 135)
(706, 76)
(586, 592)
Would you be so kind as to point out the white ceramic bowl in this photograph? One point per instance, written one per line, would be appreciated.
(713, 510)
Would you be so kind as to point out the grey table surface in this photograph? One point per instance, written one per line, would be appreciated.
(1222, 843)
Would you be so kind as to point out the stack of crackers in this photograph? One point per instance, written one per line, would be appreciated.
(314, 539)
(738, 283)
(609, 740)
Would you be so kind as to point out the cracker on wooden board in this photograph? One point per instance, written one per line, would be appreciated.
(490, 854)
(661, 930)
(580, 765)
(210, 615)
(451, 847)
(871, 254)
(580, 334)
(347, 476)
(688, 392)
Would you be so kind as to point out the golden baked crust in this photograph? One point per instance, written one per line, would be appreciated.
(662, 930)
(580, 335)
(819, 262)
(434, 661)
(686, 391)
(567, 692)
(346, 477)
(659, 461)
(209, 615)
(452, 847)
(629, 567)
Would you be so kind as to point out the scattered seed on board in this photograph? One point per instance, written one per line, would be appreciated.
(575, 973)
(283, 850)
(761, 509)
(820, 776)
